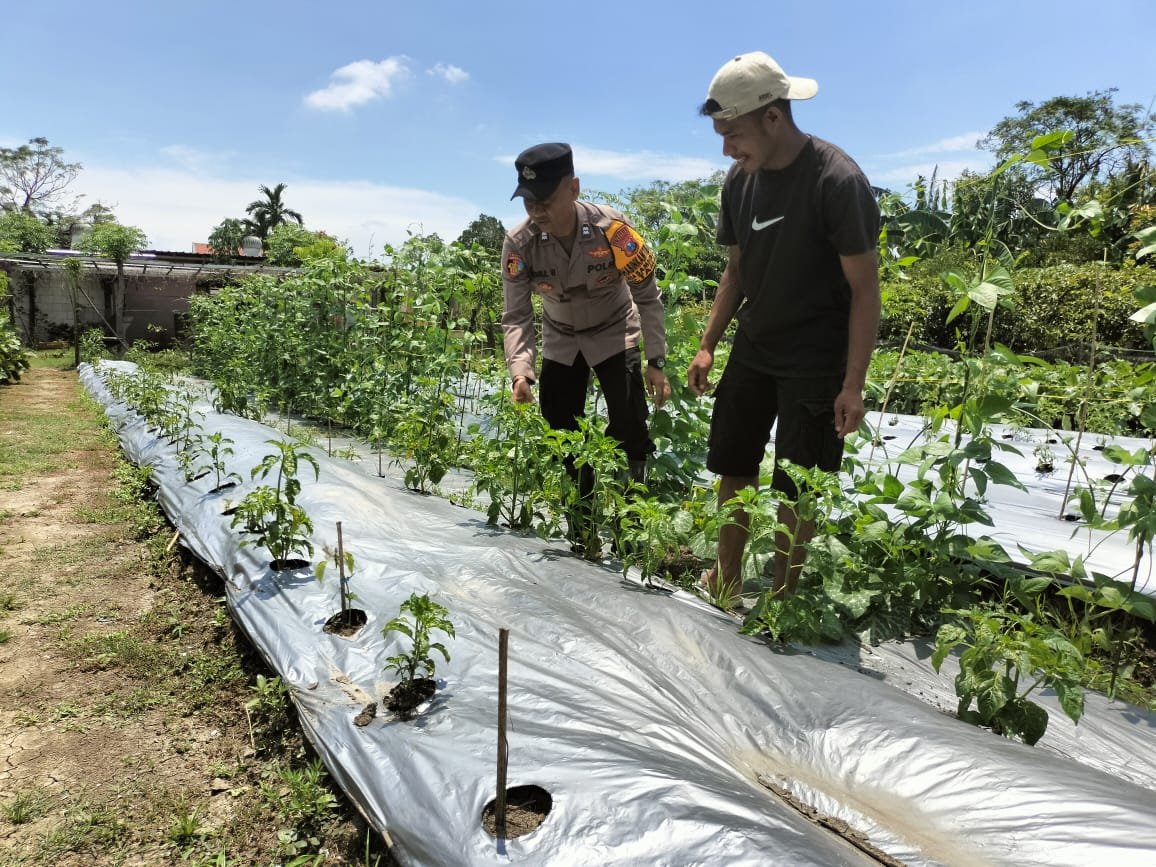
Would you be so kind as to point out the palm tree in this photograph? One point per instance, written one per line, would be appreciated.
(270, 212)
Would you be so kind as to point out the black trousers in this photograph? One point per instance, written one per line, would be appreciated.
(562, 395)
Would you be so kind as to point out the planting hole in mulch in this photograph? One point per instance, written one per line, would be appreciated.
(1113, 477)
(409, 695)
(290, 565)
(231, 510)
(526, 808)
(889, 436)
(223, 487)
(1071, 518)
(346, 623)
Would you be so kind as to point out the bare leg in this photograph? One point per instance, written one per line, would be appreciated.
(726, 578)
(790, 550)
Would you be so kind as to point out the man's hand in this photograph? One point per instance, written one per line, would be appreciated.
(522, 393)
(849, 411)
(657, 385)
(697, 373)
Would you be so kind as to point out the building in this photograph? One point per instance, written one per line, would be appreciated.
(158, 285)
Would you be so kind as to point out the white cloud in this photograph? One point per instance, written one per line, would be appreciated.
(196, 160)
(904, 175)
(176, 208)
(358, 83)
(452, 74)
(636, 165)
(642, 165)
(952, 144)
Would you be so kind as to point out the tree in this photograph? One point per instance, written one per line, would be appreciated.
(23, 232)
(226, 239)
(290, 246)
(33, 176)
(1105, 138)
(270, 212)
(117, 242)
(485, 230)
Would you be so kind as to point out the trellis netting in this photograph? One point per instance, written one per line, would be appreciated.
(654, 726)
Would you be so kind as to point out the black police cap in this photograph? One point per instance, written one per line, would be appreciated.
(541, 168)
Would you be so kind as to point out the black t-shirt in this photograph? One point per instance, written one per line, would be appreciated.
(791, 226)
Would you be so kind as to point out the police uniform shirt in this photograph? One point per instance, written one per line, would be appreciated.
(599, 299)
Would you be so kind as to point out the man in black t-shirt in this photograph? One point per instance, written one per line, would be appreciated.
(801, 227)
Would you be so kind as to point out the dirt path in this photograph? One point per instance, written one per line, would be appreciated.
(124, 737)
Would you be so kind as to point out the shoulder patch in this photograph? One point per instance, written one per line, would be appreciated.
(515, 266)
(631, 255)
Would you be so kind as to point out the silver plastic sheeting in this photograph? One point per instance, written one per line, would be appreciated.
(1032, 518)
(650, 721)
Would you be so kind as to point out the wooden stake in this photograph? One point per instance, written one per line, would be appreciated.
(173, 541)
(503, 747)
(341, 569)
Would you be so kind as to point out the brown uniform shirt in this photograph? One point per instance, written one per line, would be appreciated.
(599, 299)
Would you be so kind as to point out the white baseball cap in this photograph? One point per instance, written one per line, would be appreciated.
(752, 80)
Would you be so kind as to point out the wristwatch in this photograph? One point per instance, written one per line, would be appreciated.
(658, 362)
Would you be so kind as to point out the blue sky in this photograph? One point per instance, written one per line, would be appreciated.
(387, 117)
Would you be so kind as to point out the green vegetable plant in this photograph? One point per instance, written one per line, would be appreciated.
(1006, 657)
(510, 463)
(271, 513)
(598, 459)
(209, 452)
(416, 668)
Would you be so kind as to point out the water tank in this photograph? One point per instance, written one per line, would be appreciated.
(251, 246)
(76, 231)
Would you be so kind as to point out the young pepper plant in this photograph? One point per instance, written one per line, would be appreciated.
(272, 513)
(427, 617)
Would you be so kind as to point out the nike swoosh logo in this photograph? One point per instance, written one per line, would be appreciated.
(758, 227)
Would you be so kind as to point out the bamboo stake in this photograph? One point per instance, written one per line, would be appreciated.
(503, 746)
(341, 574)
(1088, 388)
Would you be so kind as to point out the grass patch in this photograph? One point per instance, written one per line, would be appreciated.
(51, 359)
(5, 635)
(172, 662)
(27, 806)
(88, 830)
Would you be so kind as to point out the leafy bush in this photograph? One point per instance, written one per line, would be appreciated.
(1052, 308)
(13, 357)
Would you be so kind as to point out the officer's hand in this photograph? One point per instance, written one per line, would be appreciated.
(849, 411)
(658, 386)
(697, 373)
(522, 393)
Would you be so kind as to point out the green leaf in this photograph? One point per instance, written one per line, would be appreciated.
(959, 308)
(1033, 722)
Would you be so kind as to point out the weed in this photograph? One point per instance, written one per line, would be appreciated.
(26, 807)
(302, 802)
(185, 827)
(268, 709)
(5, 635)
(8, 602)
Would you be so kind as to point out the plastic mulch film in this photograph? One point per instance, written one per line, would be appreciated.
(654, 726)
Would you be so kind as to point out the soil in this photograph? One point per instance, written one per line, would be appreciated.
(290, 565)
(123, 683)
(526, 809)
(408, 695)
(346, 623)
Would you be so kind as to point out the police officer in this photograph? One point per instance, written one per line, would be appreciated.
(595, 276)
